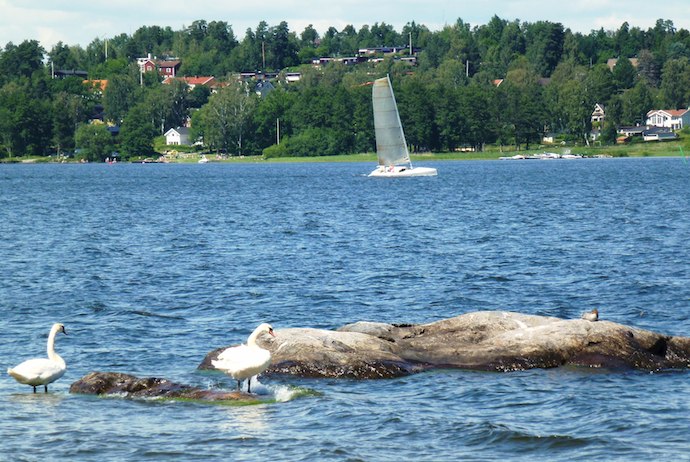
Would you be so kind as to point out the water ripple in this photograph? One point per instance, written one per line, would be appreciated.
(150, 267)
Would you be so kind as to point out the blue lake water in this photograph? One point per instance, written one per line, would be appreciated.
(152, 266)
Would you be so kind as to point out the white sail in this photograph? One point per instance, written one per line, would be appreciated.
(391, 147)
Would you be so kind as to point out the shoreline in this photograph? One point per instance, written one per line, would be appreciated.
(667, 149)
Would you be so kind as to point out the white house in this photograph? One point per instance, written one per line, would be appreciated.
(291, 77)
(599, 113)
(675, 119)
(177, 136)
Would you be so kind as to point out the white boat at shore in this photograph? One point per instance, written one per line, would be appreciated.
(391, 147)
(542, 156)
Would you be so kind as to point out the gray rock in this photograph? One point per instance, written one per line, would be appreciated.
(129, 386)
(323, 353)
(485, 340)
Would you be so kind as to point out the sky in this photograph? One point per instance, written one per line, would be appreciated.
(79, 22)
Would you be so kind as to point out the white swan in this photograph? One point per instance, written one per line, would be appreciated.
(42, 371)
(245, 361)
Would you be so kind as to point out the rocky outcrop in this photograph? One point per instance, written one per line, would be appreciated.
(129, 386)
(486, 340)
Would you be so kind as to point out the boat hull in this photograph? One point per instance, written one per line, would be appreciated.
(403, 172)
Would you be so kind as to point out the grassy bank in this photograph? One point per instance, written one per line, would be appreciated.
(638, 149)
(650, 149)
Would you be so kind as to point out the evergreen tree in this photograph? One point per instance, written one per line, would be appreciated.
(119, 96)
(65, 112)
(609, 134)
(417, 115)
(521, 101)
(624, 74)
(675, 83)
(283, 47)
(544, 46)
(21, 60)
(648, 67)
(637, 102)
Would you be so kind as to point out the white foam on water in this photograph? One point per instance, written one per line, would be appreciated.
(281, 393)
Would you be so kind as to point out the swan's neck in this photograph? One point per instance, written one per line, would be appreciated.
(251, 341)
(51, 347)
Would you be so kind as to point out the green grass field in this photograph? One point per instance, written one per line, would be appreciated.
(678, 148)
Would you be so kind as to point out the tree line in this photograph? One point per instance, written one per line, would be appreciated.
(504, 82)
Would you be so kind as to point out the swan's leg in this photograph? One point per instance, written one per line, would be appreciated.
(249, 385)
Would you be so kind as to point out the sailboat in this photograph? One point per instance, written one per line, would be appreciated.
(391, 148)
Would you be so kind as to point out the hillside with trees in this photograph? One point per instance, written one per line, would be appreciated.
(506, 83)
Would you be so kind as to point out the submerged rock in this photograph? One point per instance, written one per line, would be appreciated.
(485, 340)
(129, 386)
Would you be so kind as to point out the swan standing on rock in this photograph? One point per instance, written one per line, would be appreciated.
(245, 361)
(42, 371)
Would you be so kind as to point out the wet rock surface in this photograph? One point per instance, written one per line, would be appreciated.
(130, 386)
(485, 340)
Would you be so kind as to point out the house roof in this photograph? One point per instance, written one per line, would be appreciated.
(199, 80)
(264, 87)
(671, 112)
(660, 133)
(193, 81)
(656, 130)
(70, 73)
(100, 84)
(179, 130)
(611, 62)
(168, 63)
(632, 130)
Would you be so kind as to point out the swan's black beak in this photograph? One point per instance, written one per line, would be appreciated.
(270, 331)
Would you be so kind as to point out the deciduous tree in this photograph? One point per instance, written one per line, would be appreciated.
(137, 132)
(94, 141)
(225, 118)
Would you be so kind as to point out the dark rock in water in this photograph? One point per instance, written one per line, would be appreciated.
(129, 386)
(485, 340)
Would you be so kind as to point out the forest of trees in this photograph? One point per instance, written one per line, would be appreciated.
(551, 79)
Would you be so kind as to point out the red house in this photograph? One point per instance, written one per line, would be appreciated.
(168, 68)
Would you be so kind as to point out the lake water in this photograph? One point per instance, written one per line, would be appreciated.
(150, 267)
